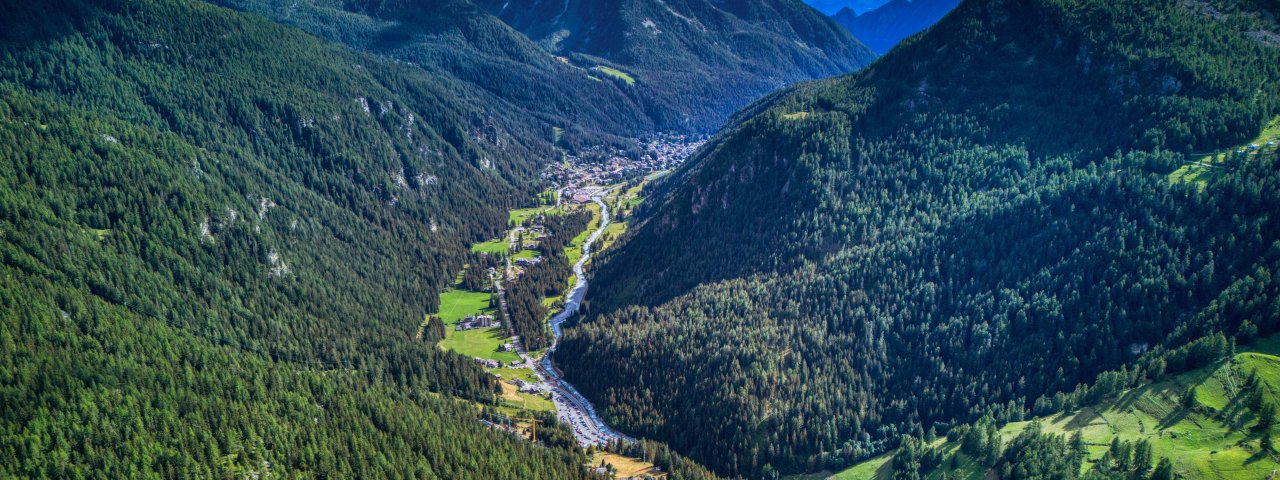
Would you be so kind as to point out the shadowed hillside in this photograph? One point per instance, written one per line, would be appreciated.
(691, 63)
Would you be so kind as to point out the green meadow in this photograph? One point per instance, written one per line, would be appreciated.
(1200, 173)
(1214, 438)
(496, 246)
(618, 74)
(455, 304)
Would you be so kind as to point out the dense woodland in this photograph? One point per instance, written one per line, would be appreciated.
(218, 238)
(478, 56)
(978, 222)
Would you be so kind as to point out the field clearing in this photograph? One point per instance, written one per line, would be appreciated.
(875, 468)
(526, 254)
(618, 74)
(573, 251)
(632, 197)
(496, 246)
(518, 216)
(625, 467)
(611, 234)
(100, 233)
(513, 397)
(513, 373)
(455, 304)
(1213, 440)
(1197, 171)
(479, 343)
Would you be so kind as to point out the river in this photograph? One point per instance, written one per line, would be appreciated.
(574, 408)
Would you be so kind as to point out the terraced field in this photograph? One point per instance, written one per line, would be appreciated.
(1213, 439)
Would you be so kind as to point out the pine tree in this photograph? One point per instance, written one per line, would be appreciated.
(1266, 418)
(1163, 470)
(1142, 457)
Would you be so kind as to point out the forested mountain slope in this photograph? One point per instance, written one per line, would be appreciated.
(219, 236)
(691, 63)
(980, 218)
(482, 56)
(1218, 421)
(884, 27)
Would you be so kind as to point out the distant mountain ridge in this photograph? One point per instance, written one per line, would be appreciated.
(884, 27)
(691, 63)
(830, 7)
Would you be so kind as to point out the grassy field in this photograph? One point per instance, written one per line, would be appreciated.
(1197, 172)
(875, 468)
(611, 234)
(633, 197)
(512, 373)
(625, 467)
(496, 246)
(457, 303)
(1213, 440)
(526, 253)
(518, 216)
(479, 343)
(618, 74)
(796, 116)
(574, 249)
(630, 198)
(514, 398)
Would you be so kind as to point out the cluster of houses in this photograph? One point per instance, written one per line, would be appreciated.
(528, 262)
(472, 322)
(529, 387)
(1255, 147)
(606, 167)
(538, 232)
(491, 363)
(670, 151)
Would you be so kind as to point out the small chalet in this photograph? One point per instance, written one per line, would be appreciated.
(477, 321)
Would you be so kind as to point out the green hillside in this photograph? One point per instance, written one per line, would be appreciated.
(981, 218)
(1216, 436)
(689, 63)
(218, 237)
